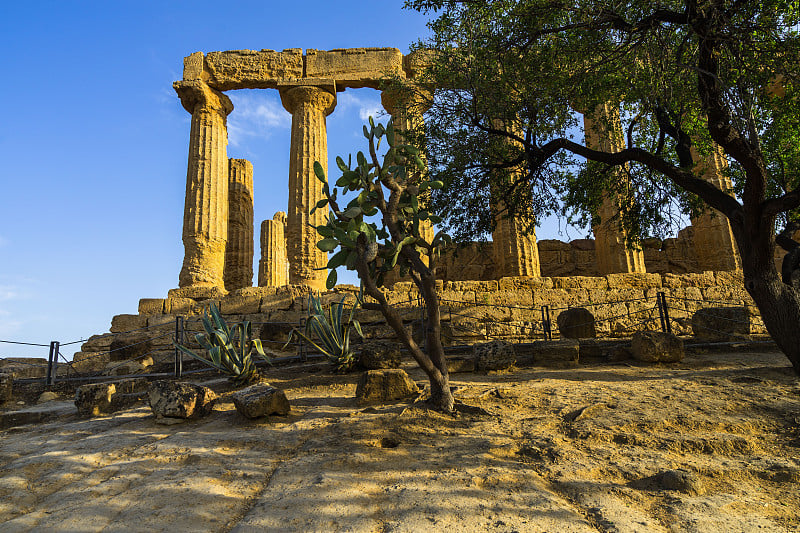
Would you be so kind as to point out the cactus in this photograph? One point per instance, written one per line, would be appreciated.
(230, 349)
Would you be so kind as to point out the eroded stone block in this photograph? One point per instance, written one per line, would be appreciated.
(253, 69)
(151, 306)
(124, 323)
(354, 67)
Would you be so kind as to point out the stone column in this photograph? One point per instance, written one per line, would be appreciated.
(273, 270)
(407, 111)
(603, 131)
(239, 249)
(205, 213)
(309, 105)
(714, 245)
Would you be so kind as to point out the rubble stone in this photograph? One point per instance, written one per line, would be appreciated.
(96, 399)
(376, 355)
(176, 399)
(379, 386)
(495, 355)
(260, 400)
(656, 347)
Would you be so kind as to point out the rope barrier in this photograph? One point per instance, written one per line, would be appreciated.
(25, 343)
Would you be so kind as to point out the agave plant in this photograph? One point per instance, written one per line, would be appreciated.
(230, 349)
(329, 333)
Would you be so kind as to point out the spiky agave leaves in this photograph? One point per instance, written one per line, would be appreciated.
(230, 349)
(329, 332)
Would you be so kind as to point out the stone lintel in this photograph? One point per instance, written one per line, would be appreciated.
(251, 69)
(354, 67)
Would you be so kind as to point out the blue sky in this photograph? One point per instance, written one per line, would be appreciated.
(93, 142)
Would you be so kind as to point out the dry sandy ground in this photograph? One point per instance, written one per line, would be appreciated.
(580, 450)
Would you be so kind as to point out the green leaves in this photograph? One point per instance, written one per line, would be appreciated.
(328, 244)
(319, 172)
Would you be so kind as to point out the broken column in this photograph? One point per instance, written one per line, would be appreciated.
(239, 248)
(205, 213)
(714, 245)
(603, 132)
(309, 105)
(273, 270)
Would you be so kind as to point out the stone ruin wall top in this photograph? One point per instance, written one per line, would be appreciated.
(267, 69)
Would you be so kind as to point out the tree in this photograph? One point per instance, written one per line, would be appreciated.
(388, 191)
(688, 76)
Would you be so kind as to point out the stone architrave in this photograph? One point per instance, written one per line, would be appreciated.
(309, 105)
(239, 248)
(714, 245)
(516, 252)
(205, 214)
(603, 131)
(273, 270)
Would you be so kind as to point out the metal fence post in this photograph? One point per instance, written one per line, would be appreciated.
(179, 334)
(548, 332)
(302, 347)
(52, 362)
(666, 312)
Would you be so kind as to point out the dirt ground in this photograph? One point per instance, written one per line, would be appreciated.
(707, 445)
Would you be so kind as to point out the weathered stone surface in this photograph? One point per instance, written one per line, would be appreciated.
(354, 67)
(197, 293)
(24, 367)
(273, 267)
(681, 481)
(722, 323)
(309, 106)
(104, 398)
(249, 69)
(260, 400)
(576, 323)
(130, 346)
(125, 323)
(205, 213)
(239, 246)
(47, 396)
(240, 304)
(377, 386)
(656, 347)
(6, 386)
(495, 355)
(557, 354)
(633, 280)
(138, 366)
(375, 355)
(151, 306)
(460, 364)
(90, 361)
(176, 399)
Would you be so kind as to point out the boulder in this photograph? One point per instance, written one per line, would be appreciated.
(378, 386)
(576, 323)
(179, 400)
(656, 347)
(681, 481)
(722, 323)
(379, 354)
(6, 386)
(554, 354)
(103, 398)
(495, 355)
(460, 364)
(260, 400)
(47, 396)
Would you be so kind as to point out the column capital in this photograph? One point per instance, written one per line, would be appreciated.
(293, 96)
(194, 94)
(397, 101)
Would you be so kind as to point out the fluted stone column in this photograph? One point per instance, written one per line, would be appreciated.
(239, 248)
(309, 105)
(273, 270)
(407, 111)
(714, 245)
(603, 131)
(205, 213)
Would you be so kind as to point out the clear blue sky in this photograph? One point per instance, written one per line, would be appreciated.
(93, 142)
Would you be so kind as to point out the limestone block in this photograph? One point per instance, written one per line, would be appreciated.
(103, 398)
(97, 343)
(633, 280)
(161, 323)
(560, 297)
(90, 361)
(580, 282)
(130, 346)
(495, 355)
(252, 69)
(6, 386)
(460, 364)
(127, 368)
(354, 67)
(24, 367)
(260, 400)
(182, 306)
(694, 279)
(194, 67)
(576, 323)
(733, 277)
(198, 293)
(241, 304)
(656, 347)
(722, 323)
(175, 399)
(510, 298)
(239, 245)
(558, 354)
(151, 306)
(376, 355)
(124, 323)
(378, 386)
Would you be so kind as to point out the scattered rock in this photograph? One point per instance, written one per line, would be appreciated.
(6, 387)
(555, 354)
(460, 364)
(127, 368)
(681, 481)
(722, 323)
(656, 347)
(495, 355)
(260, 400)
(104, 398)
(585, 412)
(379, 354)
(47, 396)
(176, 399)
(378, 386)
(576, 323)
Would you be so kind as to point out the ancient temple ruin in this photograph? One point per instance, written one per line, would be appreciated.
(218, 226)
